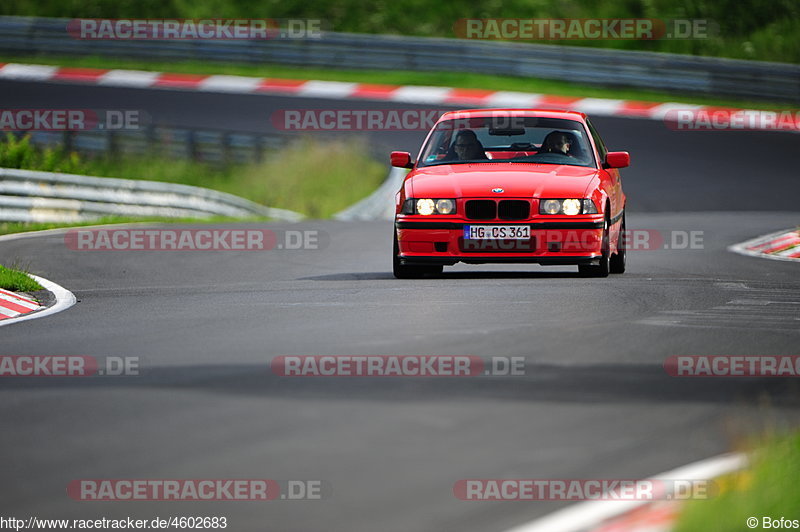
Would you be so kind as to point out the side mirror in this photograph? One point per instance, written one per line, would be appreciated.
(402, 159)
(618, 159)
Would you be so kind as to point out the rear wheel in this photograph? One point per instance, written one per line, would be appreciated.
(617, 262)
(404, 271)
(602, 269)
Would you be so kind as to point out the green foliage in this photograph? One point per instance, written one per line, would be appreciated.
(18, 152)
(767, 488)
(767, 30)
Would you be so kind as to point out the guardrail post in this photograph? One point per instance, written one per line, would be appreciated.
(68, 141)
(258, 148)
(192, 145)
(113, 148)
(226, 149)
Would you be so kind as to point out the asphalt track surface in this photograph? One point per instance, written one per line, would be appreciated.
(595, 401)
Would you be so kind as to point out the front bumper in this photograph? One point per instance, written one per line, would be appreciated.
(553, 242)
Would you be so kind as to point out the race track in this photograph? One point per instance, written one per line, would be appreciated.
(595, 401)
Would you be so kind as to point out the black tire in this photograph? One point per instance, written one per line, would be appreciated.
(602, 269)
(403, 271)
(618, 259)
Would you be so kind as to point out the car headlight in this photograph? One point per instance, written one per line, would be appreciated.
(445, 206)
(551, 206)
(428, 206)
(569, 207)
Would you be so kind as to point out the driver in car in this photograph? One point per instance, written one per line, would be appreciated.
(467, 146)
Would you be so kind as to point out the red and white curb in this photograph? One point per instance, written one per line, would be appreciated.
(64, 299)
(783, 245)
(13, 305)
(633, 516)
(344, 90)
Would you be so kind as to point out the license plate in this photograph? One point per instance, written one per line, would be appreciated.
(497, 232)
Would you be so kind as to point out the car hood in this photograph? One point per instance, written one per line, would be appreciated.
(518, 180)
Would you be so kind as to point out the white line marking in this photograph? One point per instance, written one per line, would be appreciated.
(421, 94)
(327, 89)
(586, 515)
(598, 106)
(659, 112)
(33, 72)
(513, 99)
(230, 84)
(128, 78)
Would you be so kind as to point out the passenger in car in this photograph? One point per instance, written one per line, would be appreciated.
(557, 142)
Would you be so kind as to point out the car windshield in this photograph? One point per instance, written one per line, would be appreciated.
(508, 139)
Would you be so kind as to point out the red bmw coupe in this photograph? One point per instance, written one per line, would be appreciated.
(511, 186)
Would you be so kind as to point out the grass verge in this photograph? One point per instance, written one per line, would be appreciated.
(17, 280)
(314, 177)
(767, 489)
(395, 77)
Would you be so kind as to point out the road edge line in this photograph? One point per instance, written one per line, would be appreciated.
(582, 516)
(447, 96)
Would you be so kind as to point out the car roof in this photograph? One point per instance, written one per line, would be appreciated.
(541, 113)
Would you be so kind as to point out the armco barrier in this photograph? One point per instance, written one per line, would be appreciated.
(28, 196)
(214, 147)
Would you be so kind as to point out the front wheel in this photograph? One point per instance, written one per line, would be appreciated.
(617, 263)
(404, 271)
(602, 269)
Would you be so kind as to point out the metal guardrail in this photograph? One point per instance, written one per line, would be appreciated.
(29, 196)
(215, 147)
(593, 66)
